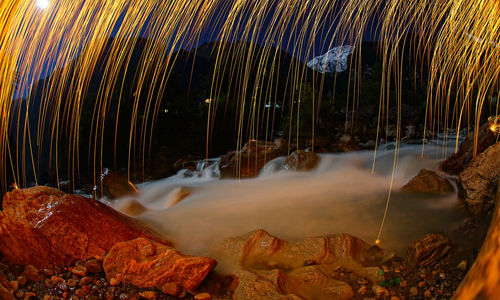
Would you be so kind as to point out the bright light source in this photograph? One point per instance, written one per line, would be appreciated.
(494, 124)
(208, 101)
(42, 4)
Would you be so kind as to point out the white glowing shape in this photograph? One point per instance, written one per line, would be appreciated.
(42, 4)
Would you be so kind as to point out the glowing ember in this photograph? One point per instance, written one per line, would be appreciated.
(495, 124)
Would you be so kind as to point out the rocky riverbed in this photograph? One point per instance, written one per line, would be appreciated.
(59, 246)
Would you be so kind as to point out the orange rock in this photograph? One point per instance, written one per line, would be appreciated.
(150, 295)
(171, 288)
(145, 263)
(42, 226)
(249, 161)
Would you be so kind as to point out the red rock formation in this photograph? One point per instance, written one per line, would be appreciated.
(42, 226)
(249, 161)
(145, 263)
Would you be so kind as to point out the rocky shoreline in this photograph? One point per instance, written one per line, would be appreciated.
(397, 279)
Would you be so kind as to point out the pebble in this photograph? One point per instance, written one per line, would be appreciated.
(462, 265)
(79, 270)
(114, 281)
(150, 295)
(421, 283)
(86, 289)
(413, 291)
(86, 280)
(380, 291)
(32, 273)
(55, 280)
(79, 293)
(94, 265)
(110, 295)
(403, 283)
(72, 282)
(362, 290)
(29, 295)
(171, 288)
(62, 287)
(14, 285)
(22, 281)
(203, 296)
(428, 294)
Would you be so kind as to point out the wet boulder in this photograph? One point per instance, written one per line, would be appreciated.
(429, 249)
(345, 143)
(115, 185)
(249, 161)
(429, 182)
(146, 263)
(42, 226)
(302, 160)
(478, 183)
(486, 137)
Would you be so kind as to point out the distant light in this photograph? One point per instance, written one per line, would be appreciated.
(208, 101)
(42, 4)
(377, 242)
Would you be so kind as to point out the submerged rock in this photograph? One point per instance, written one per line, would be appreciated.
(460, 160)
(146, 263)
(114, 185)
(479, 181)
(302, 160)
(345, 143)
(42, 226)
(429, 182)
(278, 269)
(429, 249)
(249, 161)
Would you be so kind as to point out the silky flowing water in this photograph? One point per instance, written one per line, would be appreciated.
(341, 195)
